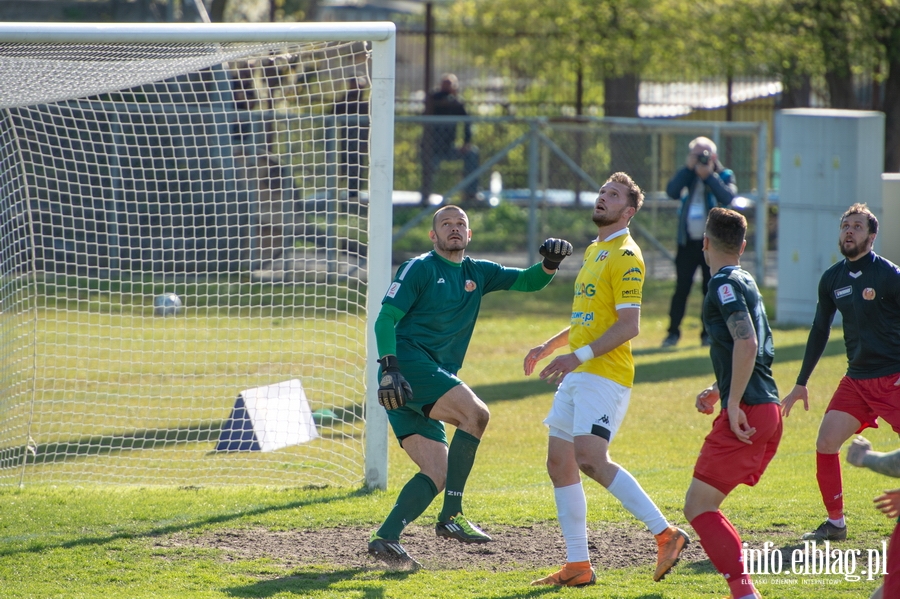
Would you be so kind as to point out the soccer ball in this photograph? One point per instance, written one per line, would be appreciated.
(167, 304)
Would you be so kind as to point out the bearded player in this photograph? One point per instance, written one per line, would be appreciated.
(866, 289)
(595, 379)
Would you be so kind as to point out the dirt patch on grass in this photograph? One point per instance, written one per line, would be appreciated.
(513, 548)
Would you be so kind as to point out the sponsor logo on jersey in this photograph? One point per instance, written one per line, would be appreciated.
(585, 290)
(634, 270)
(631, 293)
(601, 256)
(441, 280)
(393, 289)
(843, 291)
(582, 318)
(470, 285)
(627, 253)
(726, 294)
(868, 293)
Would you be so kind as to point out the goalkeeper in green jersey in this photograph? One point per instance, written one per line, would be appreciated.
(423, 332)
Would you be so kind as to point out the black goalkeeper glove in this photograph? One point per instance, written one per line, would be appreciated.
(393, 391)
(553, 251)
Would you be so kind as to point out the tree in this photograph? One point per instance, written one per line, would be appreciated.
(886, 27)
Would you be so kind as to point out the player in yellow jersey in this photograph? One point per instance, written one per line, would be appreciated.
(595, 380)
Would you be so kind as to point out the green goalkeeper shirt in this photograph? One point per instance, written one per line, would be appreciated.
(430, 309)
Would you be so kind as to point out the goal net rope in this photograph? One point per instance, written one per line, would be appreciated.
(184, 262)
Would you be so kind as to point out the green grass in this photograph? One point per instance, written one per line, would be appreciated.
(111, 541)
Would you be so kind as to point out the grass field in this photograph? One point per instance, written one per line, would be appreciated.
(129, 541)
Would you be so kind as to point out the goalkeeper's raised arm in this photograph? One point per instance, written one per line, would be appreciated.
(423, 331)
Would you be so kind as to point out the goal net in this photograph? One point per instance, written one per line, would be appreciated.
(193, 229)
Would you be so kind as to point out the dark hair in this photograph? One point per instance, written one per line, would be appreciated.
(726, 230)
(863, 209)
(635, 195)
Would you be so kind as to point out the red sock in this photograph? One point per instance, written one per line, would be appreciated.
(722, 544)
(828, 473)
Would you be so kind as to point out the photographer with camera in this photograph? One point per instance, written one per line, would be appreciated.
(701, 184)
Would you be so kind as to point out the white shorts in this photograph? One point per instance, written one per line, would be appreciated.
(587, 404)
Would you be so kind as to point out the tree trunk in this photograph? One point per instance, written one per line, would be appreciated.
(796, 91)
(217, 11)
(840, 89)
(620, 96)
(892, 117)
(627, 151)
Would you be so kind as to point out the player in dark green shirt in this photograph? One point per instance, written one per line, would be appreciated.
(423, 331)
(865, 288)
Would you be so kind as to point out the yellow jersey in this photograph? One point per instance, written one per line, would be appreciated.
(611, 278)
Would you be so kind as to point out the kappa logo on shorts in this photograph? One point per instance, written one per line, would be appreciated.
(604, 419)
(441, 281)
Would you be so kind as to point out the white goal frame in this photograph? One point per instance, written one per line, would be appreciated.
(381, 36)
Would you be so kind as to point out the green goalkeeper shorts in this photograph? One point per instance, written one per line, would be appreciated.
(429, 383)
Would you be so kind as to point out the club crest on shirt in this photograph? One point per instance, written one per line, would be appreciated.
(868, 293)
(601, 256)
(726, 293)
(470, 285)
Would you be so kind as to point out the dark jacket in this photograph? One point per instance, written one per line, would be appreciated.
(720, 191)
(442, 136)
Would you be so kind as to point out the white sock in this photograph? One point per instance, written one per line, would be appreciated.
(628, 491)
(571, 510)
(840, 522)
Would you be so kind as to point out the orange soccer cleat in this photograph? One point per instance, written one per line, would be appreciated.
(669, 545)
(573, 574)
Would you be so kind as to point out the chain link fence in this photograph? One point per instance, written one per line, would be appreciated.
(550, 166)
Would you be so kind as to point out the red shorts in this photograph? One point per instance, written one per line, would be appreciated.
(868, 399)
(892, 579)
(726, 462)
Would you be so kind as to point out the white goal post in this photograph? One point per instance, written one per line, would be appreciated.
(195, 237)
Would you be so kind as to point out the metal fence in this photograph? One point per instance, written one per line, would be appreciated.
(492, 87)
(546, 164)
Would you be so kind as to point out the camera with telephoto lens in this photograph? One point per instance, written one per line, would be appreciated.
(703, 158)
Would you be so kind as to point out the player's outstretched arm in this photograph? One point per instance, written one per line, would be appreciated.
(554, 252)
(536, 354)
(393, 391)
(798, 392)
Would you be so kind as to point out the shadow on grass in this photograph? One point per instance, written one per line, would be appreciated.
(692, 366)
(667, 370)
(305, 583)
(169, 529)
(96, 445)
